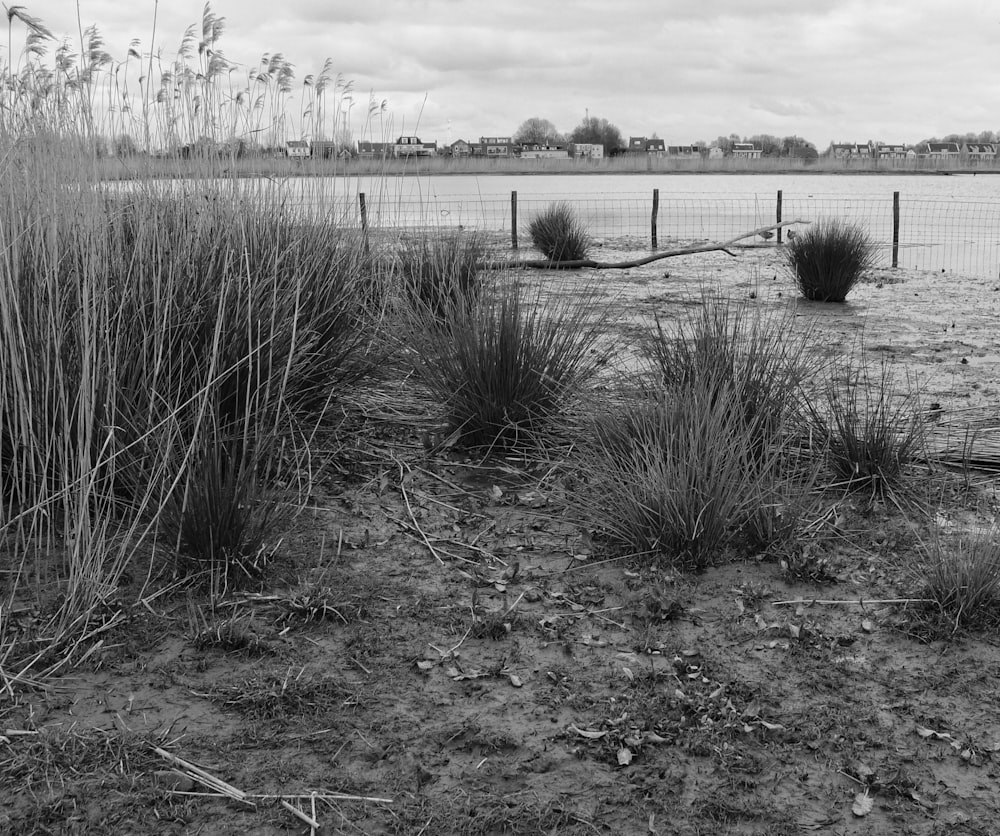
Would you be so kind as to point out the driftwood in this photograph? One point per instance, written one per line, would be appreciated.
(545, 264)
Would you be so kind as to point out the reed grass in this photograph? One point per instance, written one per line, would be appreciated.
(962, 579)
(164, 351)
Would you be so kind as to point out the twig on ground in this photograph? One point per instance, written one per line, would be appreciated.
(860, 602)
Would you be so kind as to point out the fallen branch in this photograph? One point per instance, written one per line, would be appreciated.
(546, 264)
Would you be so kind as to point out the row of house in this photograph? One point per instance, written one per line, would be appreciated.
(966, 151)
(500, 147)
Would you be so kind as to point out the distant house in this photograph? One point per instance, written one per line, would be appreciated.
(298, 149)
(978, 152)
(715, 152)
(885, 151)
(587, 150)
(459, 148)
(747, 151)
(642, 145)
(411, 146)
(368, 149)
(942, 150)
(850, 150)
(682, 151)
(495, 146)
(544, 152)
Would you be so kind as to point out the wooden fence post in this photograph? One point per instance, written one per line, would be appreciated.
(895, 229)
(656, 209)
(513, 220)
(778, 215)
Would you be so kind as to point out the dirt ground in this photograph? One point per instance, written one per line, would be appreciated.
(441, 649)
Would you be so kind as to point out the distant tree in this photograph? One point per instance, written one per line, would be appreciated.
(125, 146)
(598, 132)
(726, 143)
(796, 146)
(770, 146)
(538, 131)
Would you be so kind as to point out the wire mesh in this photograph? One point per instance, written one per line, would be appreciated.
(950, 235)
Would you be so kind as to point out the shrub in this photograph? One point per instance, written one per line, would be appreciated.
(829, 259)
(559, 234)
(871, 430)
(439, 271)
(505, 363)
(962, 579)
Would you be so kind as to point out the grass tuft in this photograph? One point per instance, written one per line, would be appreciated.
(438, 271)
(962, 578)
(505, 364)
(871, 429)
(830, 258)
(559, 234)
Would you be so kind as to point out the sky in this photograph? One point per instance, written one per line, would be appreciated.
(832, 71)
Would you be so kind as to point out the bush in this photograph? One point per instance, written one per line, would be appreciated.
(439, 271)
(504, 364)
(829, 259)
(559, 234)
(871, 430)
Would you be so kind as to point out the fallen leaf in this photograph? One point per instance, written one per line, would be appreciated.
(863, 804)
(425, 665)
(496, 493)
(624, 757)
(590, 735)
(867, 626)
(515, 680)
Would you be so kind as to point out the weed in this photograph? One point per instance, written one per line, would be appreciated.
(559, 234)
(830, 258)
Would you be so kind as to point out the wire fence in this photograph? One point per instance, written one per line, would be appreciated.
(927, 234)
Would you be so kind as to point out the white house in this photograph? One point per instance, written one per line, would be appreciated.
(298, 148)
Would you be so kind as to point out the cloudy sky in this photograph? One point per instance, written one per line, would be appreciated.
(836, 71)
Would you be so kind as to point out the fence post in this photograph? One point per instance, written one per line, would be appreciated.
(656, 209)
(895, 229)
(513, 220)
(778, 216)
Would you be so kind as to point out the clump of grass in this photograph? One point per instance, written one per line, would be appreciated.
(438, 271)
(705, 458)
(760, 358)
(559, 234)
(830, 258)
(219, 521)
(871, 430)
(962, 579)
(505, 364)
(669, 476)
